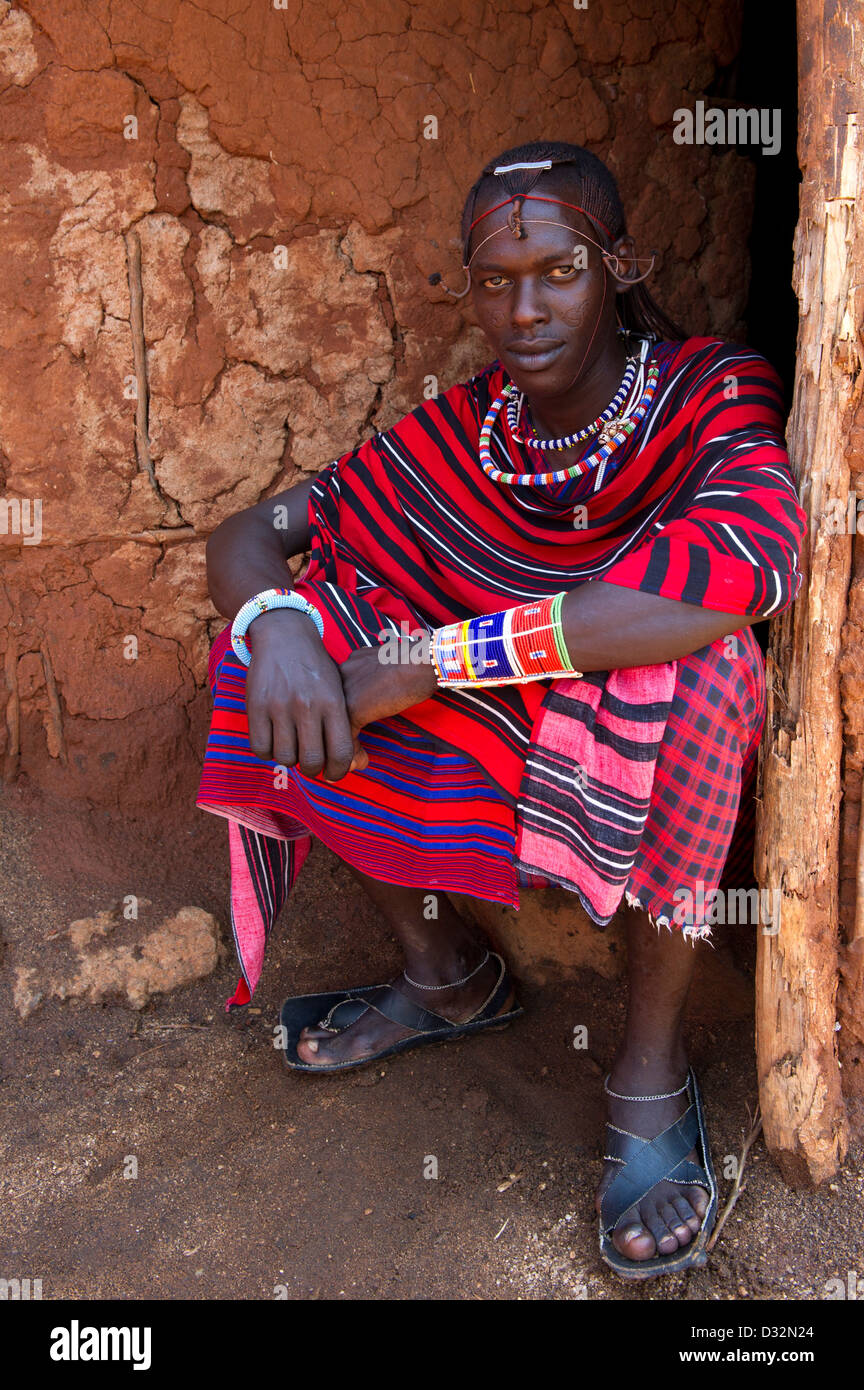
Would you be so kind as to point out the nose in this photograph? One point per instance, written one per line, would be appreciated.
(528, 310)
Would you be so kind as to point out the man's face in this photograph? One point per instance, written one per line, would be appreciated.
(538, 299)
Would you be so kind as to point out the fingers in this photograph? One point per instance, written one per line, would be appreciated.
(307, 727)
(310, 740)
(360, 759)
(326, 743)
(340, 743)
(260, 732)
(284, 743)
(260, 714)
(282, 734)
(315, 747)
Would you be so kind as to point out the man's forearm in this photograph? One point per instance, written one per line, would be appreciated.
(608, 627)
(249, 552)
(244, 557)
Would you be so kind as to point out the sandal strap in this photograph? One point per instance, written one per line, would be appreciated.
(688, 1172)
(622, 1147)
(498, 994)
(392, 1004)
(398, 1008)
(352, 1005)
(647, 1165)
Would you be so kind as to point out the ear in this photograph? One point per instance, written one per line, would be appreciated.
(622, 263)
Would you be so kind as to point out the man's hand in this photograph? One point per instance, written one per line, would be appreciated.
(375, 689)
(294, 699)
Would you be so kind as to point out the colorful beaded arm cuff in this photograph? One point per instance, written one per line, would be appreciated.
(512, 647)
(263, 603)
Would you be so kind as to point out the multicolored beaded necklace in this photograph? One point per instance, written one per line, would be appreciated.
(613, 431)
(515, 405)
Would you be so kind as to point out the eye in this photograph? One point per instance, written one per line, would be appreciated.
(494, 282)
(567, 272)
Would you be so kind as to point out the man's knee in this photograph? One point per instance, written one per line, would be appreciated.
(723, 684)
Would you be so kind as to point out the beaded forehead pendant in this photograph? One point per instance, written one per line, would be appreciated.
(516, 223)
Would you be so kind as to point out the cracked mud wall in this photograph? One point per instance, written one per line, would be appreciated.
(217, 226)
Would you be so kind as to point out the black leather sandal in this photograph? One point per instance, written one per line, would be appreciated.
(646, 1162)
(319, 1010)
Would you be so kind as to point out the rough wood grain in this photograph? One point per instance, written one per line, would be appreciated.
(797, 847)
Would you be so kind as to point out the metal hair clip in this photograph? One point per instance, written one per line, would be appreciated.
(508, 168)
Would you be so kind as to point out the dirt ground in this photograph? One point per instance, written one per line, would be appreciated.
(256, 1183)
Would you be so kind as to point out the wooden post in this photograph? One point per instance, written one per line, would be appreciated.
(797, 841)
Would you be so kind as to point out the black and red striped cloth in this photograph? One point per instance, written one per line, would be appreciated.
(619, 782)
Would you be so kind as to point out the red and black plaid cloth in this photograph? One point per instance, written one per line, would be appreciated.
(627, 781)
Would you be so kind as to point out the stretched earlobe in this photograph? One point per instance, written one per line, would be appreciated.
(438, 279)
(625, 281)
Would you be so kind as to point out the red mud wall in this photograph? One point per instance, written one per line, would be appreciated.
(163, 363)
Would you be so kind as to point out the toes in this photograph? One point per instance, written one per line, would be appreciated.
(317, 1033)
(677, 1224)
(699, 1200)
(309, 1045)
(692, 1209)
(307, 1049)
(665, 1240)
(686, 1213)
(659, 1231)
(634, 1242)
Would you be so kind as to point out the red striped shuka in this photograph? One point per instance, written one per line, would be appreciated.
(637, 781)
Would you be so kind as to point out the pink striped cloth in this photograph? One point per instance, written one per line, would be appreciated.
(267, 853)
(588, 779)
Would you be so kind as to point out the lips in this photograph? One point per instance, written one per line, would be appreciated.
(534, 354)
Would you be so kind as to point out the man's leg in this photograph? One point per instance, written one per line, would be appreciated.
(652, 1060)
(708, 751)
(438, 949)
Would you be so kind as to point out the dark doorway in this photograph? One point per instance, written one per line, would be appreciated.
(765, 74)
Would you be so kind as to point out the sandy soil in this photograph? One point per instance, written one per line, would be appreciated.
(255, 1183)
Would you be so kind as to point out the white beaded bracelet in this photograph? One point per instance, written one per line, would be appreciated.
(263, 603)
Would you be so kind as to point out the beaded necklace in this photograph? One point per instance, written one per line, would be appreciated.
(612, 434)
(515, 406)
